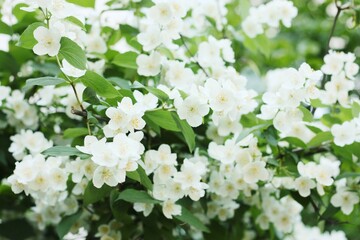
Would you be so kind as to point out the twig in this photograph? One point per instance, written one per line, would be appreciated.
(192, 56)
(339, 9)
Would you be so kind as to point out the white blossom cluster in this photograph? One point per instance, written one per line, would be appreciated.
(347, 132)
(269, 15)
(342, 69)
(231, 170)
(19, 112)
(170, 184)
(45, 180)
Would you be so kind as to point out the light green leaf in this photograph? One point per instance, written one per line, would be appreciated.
(73, 53)
(66, 223)
(75, 132)
(43, 81)
(27, 39)
(186, 130)
(83, 3)
(126, 60)
(76, 21)
(93, 194)
(187, 217)
(308, 117)
(245, 132)
(100, 85)
(136, 196)
(320, 138)
(157, 92)
(64, 151)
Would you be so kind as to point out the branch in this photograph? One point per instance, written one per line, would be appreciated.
(192, 56)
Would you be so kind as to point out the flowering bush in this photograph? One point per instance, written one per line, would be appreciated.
(173, 119)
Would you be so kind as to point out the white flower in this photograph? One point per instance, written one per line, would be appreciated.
(170, 209)
(303, 185)
(48, 41)
(118, 118)
(161, 13)
(149, 65)
(110, 176)
(255, 171)
(103, 154)
(146, 208)
(192, 110)
(346, 200)
(252, 27)
(145, 101)
(70, 70)
(344, 134)
(151, 38)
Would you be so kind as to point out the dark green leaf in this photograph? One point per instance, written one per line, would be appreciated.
(295, 142)
(93, 194)
(187, 217)
(11, 229)
(73, 53)
(348, 175)
(157, 92)
(89, 95)
(66, 223)
(100, 85)
(136, 196)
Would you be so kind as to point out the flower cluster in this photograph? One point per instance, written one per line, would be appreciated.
(270, 15)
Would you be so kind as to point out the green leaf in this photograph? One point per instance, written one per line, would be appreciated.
(157, 92)
(73, 53)
(76, 21)
(329, 212)
(64, 151)
(295, 141)
(136, 196)
(89, 95)
(186, 130)
(163, 119)
(348, 175)
(16, 229)
(245, 132)
(27, 39)
(126, 60)
(308, 117)
(5, 29)
(122, 83)
(320, 138)
(75, 132)
(140, 176)
(100, 85)
(83, 3)
(8, 63)
(66, 223)
(43, 81)
(355, 109)
(93, 194)
(187, 217)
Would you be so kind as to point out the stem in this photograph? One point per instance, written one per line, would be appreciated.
(339, 9)
(192, 55)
